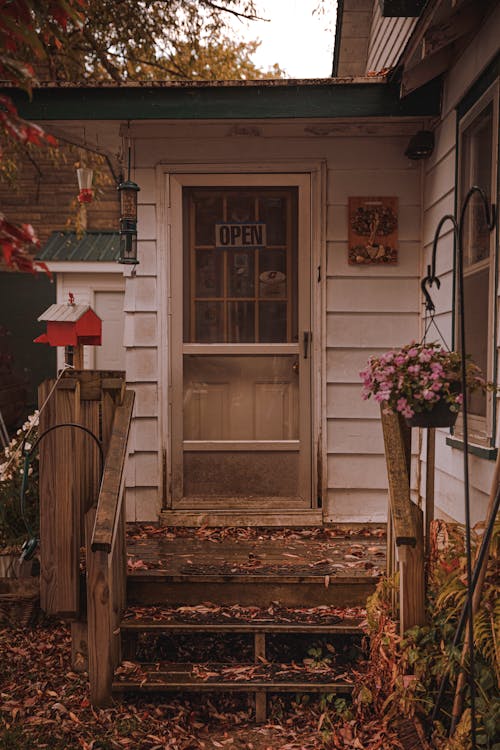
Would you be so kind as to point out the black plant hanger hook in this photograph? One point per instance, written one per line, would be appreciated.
(427, 282)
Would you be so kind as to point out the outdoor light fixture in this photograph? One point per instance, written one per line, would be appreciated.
(421, 145)
(128, 217)
(128, 222)
(85, 176)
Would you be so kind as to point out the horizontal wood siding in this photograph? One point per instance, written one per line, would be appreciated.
(439, 199)
(142, 310)
(388, 37)
(369, 309)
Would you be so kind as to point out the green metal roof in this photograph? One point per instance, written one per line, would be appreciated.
(222, 100)
(90, 247)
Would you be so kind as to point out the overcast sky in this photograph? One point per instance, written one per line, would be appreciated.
(298, 40)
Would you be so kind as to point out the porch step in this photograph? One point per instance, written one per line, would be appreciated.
(155, 587)
(212, 677)
(269, 518)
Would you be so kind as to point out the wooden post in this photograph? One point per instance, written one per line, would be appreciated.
(260, 695)
(411, 577)
(429, 485)
(60, 505)
(101, 665)
(78, 357)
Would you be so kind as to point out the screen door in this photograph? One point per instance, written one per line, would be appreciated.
(243, 372)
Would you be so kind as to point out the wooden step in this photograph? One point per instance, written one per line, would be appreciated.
(148, 625)
(276, 678)
(292, 591)
(197, 518)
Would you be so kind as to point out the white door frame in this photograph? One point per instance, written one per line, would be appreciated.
(170, 181)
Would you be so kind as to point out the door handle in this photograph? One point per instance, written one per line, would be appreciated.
(307, 336)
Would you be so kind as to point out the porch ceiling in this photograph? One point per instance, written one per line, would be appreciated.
(223, 100)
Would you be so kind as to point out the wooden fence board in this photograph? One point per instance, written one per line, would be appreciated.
(47, 454)
(67, 506)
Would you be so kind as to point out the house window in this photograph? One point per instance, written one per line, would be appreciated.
(478, 148)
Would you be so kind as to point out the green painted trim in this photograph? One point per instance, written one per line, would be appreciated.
(479, 87)
(489, 454)
(223, 102)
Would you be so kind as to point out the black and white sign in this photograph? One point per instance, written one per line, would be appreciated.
(248, 235)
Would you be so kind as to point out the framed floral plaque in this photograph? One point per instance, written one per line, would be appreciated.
(373, 231)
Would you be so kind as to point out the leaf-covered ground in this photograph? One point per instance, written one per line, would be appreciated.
(44, 704)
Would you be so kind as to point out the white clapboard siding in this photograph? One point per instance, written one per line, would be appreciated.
(340, 504)
(439, 198)
(355, 436)
(370, 330)
(144, 434)
(146, 399)
(388, 37)
(387, 294)
(141, 329)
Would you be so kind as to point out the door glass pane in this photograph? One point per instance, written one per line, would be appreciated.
(231, 397)
(209, 321)
(208, 274)
(240, 250)
(241, 273)
(272, 322)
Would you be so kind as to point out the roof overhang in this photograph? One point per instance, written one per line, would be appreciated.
(439, 37)
(228, 100)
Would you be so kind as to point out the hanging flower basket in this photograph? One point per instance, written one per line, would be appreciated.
(440, 415)
(421, 382)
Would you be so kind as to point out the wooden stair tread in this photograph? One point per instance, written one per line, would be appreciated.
(166, 677)
(244, 577)
(145, 624)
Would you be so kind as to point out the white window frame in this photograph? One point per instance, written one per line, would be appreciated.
(481, 429)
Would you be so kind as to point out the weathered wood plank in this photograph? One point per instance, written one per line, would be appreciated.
(67, 506)
(412, 577)
(397, 451)
(260, 695)
(112, 484)
(430, 469)
(48, 570)
(101, 664)
(59, 503)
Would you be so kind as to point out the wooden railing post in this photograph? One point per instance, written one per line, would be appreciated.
(405, 523)
(99, 623)
(106, 562)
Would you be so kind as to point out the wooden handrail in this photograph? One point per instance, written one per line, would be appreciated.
(398, 472)
(110, 495)
(405, 524)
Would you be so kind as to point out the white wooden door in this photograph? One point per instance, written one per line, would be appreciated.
(241, 354)
(109, 307)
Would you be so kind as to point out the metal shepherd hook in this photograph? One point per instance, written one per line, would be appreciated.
(430, 280)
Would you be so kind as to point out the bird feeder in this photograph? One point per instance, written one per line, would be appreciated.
(85, 176)
(72, 326)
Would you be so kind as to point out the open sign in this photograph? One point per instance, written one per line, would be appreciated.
(249, 235)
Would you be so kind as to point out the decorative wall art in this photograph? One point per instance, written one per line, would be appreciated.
(373, 231)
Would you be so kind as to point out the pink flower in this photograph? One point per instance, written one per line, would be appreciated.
(412, 352)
